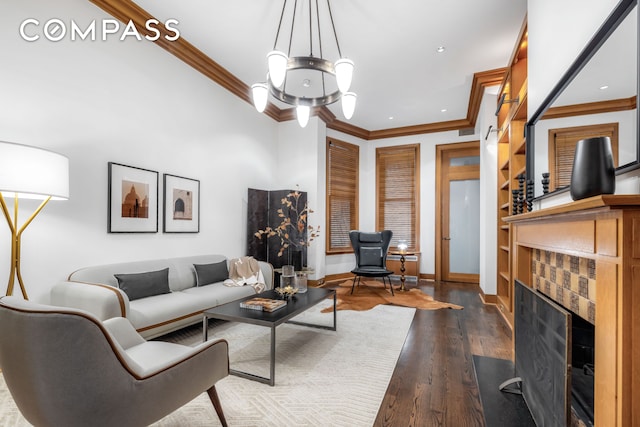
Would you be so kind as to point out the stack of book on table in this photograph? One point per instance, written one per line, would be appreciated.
(263, 304)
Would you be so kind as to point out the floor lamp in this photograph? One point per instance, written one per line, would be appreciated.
(28, 173)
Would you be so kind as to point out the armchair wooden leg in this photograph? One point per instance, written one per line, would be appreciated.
(213, 396)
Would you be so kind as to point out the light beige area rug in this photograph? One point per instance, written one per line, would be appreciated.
(323, 378)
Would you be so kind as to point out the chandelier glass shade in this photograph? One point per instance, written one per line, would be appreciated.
(331, 81)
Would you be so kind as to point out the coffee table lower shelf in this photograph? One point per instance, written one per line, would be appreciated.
(295, 306)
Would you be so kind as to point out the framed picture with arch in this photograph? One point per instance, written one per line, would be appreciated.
(181, 206)
(133, 199)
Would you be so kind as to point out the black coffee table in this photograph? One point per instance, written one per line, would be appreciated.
(296, 305)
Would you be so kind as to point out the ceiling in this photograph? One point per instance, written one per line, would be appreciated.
(400, 78)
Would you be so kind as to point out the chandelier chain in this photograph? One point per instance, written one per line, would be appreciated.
(333, 25)
(293, 24)
(324, 88)
(284, 6)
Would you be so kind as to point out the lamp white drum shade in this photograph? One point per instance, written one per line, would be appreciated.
(32, 172)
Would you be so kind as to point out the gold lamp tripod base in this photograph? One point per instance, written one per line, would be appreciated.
(16, 234)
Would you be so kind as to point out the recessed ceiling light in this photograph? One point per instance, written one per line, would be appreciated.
(604, 87)
(440, 49)
(390, 117)
(444, 110)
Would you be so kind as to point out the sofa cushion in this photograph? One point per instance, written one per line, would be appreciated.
(207, 274)
(140, 285)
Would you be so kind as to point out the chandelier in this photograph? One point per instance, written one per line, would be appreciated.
(306, 81)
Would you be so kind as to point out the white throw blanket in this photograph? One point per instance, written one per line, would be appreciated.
(246, 271)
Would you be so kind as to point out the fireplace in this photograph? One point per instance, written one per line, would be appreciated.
(554, 359)
(592, 268)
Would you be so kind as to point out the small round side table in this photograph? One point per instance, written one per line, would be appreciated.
(402, 269)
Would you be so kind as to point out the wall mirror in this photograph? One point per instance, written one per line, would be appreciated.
(596, 97)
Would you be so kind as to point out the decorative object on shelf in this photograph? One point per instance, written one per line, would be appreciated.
(530, 193)
(593, 170)
(521, 194)
(545, 182)
(521, 179)
(28, 173)
(181, 207)
(133, 200)
(515, 203)
(287, 221)
(309, 73)
(520, 200)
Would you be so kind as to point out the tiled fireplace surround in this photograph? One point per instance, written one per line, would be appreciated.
(567, 279)
(576, 254)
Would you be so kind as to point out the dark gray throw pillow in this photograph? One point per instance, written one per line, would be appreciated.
(140, 285)
(207, 274)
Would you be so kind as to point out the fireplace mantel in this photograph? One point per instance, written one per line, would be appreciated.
(605, 229)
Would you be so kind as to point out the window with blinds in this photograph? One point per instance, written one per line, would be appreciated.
(398, 189)
(562, 148)
(342, 194)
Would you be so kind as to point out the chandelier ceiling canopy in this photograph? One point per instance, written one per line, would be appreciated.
(308, 80)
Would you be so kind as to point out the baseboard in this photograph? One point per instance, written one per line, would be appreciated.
(488, 299)
(343, 276)
(339, 276)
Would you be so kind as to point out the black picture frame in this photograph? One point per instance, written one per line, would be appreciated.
(181, 204)
(132, 199)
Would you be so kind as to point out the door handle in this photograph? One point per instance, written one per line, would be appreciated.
(446, 238)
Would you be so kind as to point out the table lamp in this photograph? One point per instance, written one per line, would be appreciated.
(28, 173)
(402, 246)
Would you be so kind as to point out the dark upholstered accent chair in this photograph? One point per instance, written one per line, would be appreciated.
(371, 255)
(64, 367)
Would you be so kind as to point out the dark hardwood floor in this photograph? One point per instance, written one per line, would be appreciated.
(434, 381)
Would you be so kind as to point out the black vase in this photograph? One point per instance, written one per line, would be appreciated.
(593, 170)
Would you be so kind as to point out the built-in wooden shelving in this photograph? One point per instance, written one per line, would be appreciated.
(512, 147)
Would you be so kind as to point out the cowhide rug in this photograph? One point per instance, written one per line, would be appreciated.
(371, 293)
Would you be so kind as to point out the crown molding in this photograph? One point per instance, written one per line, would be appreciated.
(609, 106)
(127, 10)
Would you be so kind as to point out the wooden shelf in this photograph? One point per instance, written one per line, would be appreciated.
(512, 149)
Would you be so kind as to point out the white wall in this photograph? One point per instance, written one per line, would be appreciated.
(488, 193)
(301, 153)
(128, 102)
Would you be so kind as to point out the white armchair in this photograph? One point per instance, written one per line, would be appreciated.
(64, 367)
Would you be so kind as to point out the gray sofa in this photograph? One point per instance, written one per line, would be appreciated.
(96, 290)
